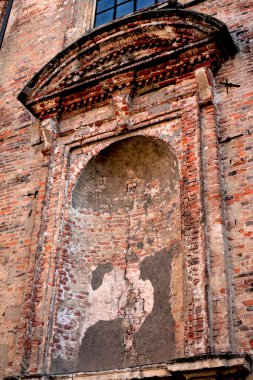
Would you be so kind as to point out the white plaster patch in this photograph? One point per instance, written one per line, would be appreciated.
(122, 295)
(111, 301)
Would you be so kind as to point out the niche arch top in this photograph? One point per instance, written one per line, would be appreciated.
(125, 167)
(144, 51)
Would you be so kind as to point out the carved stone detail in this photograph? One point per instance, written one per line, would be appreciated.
(49, 129)
(122, 106)
(148, 50)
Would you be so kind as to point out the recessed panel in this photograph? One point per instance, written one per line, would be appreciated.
(123, 235)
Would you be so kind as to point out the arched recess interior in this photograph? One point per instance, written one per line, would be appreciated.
(125, 239)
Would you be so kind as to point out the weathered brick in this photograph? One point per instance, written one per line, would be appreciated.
(56, 244)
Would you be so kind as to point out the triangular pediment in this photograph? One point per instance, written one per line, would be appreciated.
(140, 51)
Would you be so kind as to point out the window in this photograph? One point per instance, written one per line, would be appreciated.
(108, 10)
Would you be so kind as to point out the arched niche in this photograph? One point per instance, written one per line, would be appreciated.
(120, 292)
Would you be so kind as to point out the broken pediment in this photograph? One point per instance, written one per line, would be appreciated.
(140, 52)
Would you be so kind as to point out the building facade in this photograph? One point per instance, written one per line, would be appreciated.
(126, 196)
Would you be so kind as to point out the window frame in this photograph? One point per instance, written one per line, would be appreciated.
(114, 8)
(4, 24)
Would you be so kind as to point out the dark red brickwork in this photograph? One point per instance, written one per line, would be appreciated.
(207, 127)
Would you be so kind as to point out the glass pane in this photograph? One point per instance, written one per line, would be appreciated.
(124, 9)
(121, 1)
(104, 17)
(144, 3)
(102, 5)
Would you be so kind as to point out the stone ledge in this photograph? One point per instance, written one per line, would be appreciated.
(197, 367)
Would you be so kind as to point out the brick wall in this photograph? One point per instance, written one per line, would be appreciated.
(36, 32)
(235, 139)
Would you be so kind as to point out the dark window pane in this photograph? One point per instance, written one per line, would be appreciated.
(108, 10)
(104, 17)
(102, 5)
(144, 3)
(124, 9)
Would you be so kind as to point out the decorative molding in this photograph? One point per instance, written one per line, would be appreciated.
(205, 366)
(140, 53)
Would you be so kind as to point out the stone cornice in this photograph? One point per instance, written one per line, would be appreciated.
(140, 52)
(188, 368)
(196, 367)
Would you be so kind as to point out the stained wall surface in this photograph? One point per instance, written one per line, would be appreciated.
(124, 234)
(36, 32)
